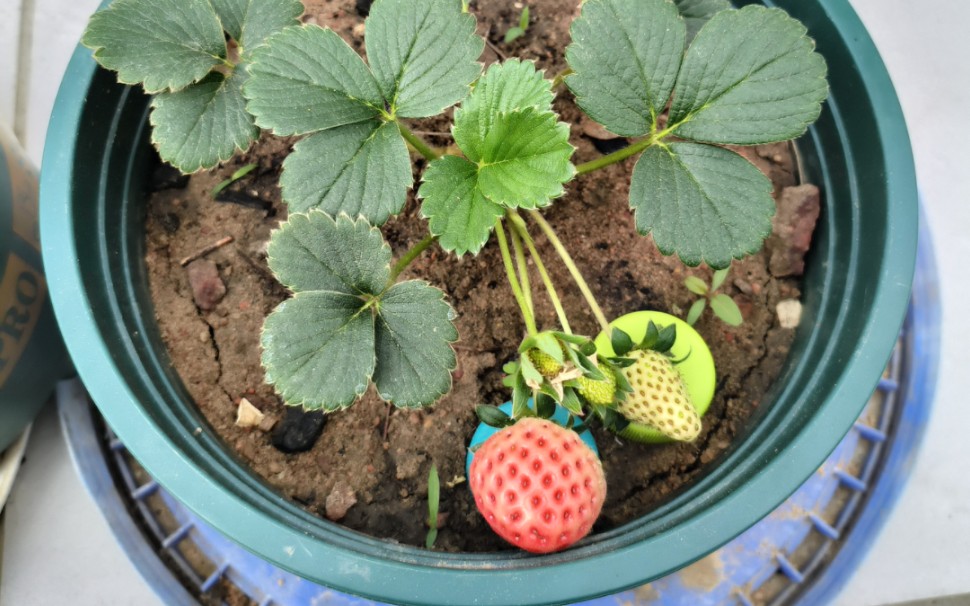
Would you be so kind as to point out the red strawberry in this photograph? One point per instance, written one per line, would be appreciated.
(538, 486)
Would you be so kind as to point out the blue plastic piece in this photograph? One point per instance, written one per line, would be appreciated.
(484, 432)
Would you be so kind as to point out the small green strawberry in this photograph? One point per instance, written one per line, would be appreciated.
(659, 398)
(547, 366)
(601, 392)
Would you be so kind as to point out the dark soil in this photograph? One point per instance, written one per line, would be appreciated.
(372, 463)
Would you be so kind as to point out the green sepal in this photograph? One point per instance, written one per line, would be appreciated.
(570, 401)
(545, 406)
(621, 342)
(493, 416)
(160, 44)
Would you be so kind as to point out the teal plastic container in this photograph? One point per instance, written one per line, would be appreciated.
(855, 297)
(32, 355)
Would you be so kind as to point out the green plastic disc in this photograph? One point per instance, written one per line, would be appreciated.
(697, 370)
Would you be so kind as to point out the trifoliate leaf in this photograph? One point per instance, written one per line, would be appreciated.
(503, 88)
(726, 309)
(162, 44)
(314, 252)
(704, 203)
(423, 54)
(525, 159)
(343, 325)
(305, 79)
(249, 22)
(698, 12)
(318, 349)
(413, 344)
(202, 124)
(457, 212)
(359, 169)
(625, 55)
(750, 76)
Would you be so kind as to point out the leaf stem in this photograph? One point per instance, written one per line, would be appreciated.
(417, 143)
(571, 266)
(523, 268)
(409, 256)
(518, 225)
(618, 156)
(530, 322)
(560, 77)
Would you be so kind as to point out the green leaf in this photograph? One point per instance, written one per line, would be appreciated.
(161, 44)
(249, 22)
(698, 12)
(695, 311)
(719, 277)
(305, 79)
(457, 212)
(695, 285)
(704, 203)
(423, 53)
(414, 336)
(725, 308)
(625, 55)
(503, 88)
(202, 124)
(750, 76)
(525, 159)
(315, 252)
(359, 169)
(400, 335)
(318, 350)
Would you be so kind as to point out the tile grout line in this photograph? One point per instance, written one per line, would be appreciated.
(23, 65)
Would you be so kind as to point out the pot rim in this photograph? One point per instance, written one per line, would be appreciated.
(709, 513)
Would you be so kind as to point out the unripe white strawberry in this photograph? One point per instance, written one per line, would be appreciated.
(659, 398)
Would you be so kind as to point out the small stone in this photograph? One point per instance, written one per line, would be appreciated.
(299, 430)
(267, 424)
(789, 313)
(358, 30)
(248, 415)
(275, 467)
(340, 500)
(207, 286)
(792, 229)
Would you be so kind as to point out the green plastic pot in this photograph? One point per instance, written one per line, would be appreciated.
(855, 295)
(32, 355)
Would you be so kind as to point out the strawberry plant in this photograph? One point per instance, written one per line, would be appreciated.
(683, 79)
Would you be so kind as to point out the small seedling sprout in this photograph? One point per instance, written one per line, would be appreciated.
(434, 496)
(519, 30)
(721, 304)
(239, 174)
